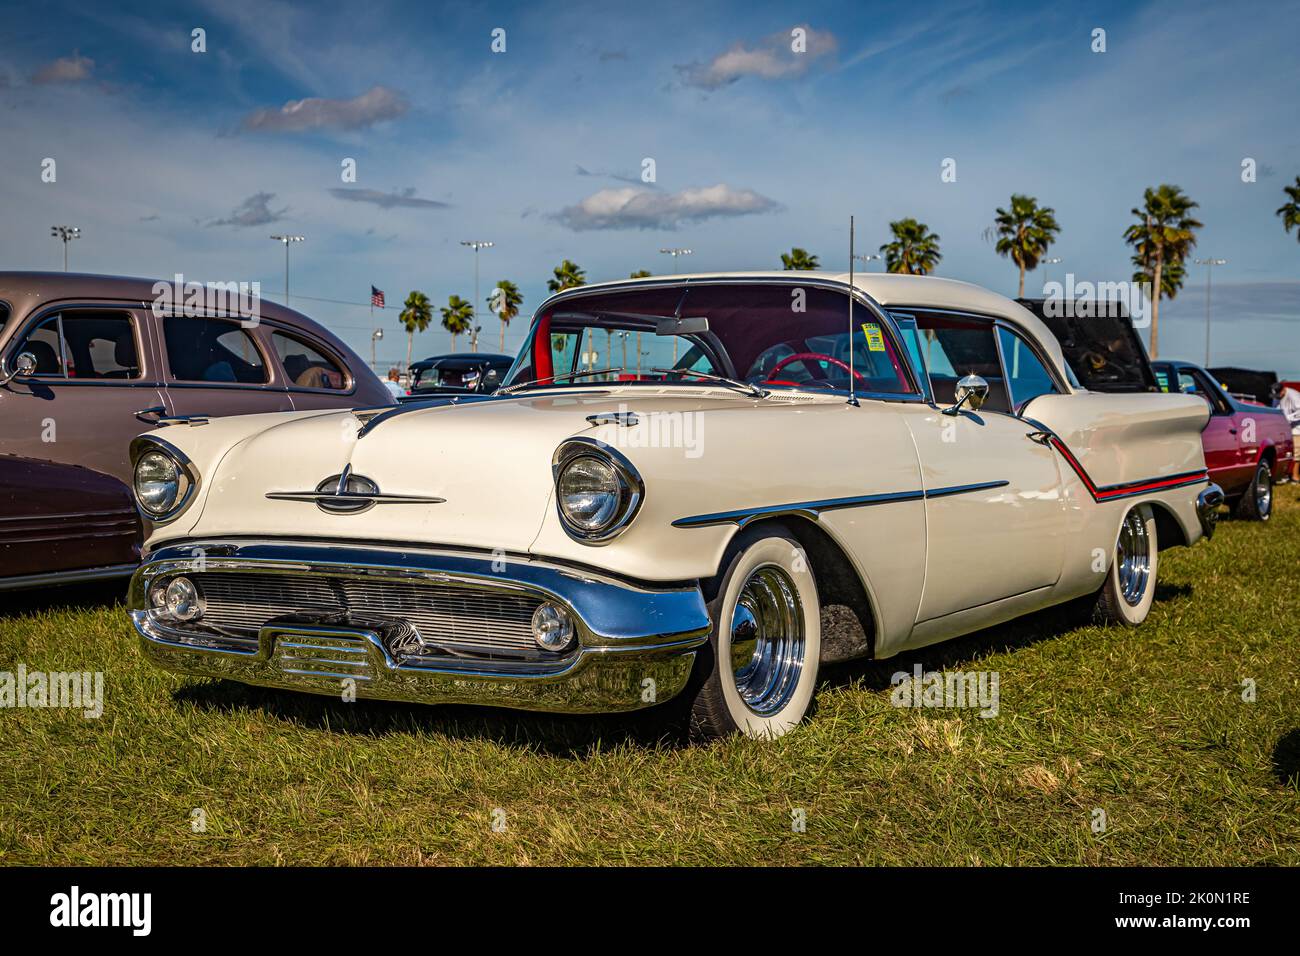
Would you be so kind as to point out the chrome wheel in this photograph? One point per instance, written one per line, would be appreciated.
(767, 640)
(1263, 491)
(1133, 557)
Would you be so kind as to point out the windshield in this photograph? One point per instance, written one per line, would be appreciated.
(773, 335)
(449, 376)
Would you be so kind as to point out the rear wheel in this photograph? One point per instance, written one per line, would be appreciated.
(1130, 586)
(758, 673)
(1257, 503)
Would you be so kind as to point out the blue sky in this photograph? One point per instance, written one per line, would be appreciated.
(175, 161)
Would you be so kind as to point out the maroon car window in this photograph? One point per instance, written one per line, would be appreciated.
(305, 366)
(85, 345)
(212, 350)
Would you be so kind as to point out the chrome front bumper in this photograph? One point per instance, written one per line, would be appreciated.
(635, 643)
(1207, 507)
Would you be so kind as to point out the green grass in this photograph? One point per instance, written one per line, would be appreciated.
(1148, 725)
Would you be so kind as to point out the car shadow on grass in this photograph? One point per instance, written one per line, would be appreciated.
(1286, 759)
(556, 735)
(90, 596)
(961, 652)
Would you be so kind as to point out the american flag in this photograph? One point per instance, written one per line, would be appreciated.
(376, 297)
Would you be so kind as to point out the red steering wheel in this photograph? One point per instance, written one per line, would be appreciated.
(805, 357)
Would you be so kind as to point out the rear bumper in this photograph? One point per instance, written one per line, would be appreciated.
(635, 644)
(1207, 507)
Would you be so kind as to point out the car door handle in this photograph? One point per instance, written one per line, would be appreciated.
(1040, 436)
(1232, 431)
(155, 410)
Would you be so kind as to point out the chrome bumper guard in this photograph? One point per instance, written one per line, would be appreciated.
(1207, 508)
(635, 643)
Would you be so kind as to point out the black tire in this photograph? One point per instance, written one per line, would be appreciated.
(767, 570)
(1122, 599)
(1257, 503)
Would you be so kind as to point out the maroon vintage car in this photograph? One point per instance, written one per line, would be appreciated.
(1247, 446)
(89, 362)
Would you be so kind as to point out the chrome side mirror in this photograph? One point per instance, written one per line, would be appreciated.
(24, 364)
(972, 391)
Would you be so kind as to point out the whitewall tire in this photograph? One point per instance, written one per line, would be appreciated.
(1130, 585)
(759, 673)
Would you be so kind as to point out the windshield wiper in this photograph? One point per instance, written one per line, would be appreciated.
(749, 388)
(582, 373)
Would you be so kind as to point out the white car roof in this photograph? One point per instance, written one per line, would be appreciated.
(891, 291)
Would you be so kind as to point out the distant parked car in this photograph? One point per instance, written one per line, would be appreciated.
(1247, 446)
(476, 372)
(87, 363)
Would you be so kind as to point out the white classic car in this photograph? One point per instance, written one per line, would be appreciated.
(698, 487)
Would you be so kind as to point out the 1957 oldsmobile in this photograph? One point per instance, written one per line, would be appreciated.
(698, 487)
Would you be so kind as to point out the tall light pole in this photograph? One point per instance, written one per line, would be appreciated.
(476, 245)
(675, 253)
(67, 234)
(1209, 275)
(866, 260)
(286, 240)
(375, 336)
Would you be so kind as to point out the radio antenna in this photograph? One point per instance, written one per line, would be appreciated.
(853, 397)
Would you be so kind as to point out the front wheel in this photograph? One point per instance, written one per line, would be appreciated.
(758, 673)
(1257, 503)
(1130, 586)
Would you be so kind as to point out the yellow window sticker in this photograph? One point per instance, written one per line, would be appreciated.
(875, 338)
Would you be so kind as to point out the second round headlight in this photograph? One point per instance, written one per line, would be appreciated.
(157, 482)
(590, 493)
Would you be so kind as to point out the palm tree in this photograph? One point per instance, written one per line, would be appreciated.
(1025, 231)
(457, 316)
(640, 274)
(1290, 213)
(415, 316)
(1164, 233)
(1171, 276)
(505, 301)
(568, 275)
(914, 251)
(799, 259)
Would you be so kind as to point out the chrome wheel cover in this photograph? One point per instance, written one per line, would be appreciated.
(1263, 491)
(1133, 558)
(767, 640)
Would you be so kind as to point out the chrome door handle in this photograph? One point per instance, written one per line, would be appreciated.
(155, 410)
(1041, 437)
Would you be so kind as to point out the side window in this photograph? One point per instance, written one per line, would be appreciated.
(46, 346)
(85, 345)
(1025, 374)
(1208, 392)
(305, 366)
(212, 350)
(956, 347)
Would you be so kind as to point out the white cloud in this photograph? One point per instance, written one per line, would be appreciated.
(773, 58)
(375, 105)
(640, 208)
(66, 69)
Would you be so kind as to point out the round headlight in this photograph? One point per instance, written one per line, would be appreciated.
(590, 493)
(157, 482)
(183, 601)
(552, 627)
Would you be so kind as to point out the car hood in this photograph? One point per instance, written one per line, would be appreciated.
(489, 459)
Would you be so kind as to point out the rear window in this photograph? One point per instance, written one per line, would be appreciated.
(305, 366)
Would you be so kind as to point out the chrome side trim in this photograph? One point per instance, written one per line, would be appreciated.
(76, 576)
(811, 509)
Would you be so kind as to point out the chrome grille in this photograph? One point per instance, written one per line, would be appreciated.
(478, 621)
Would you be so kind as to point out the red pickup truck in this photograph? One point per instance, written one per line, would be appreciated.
(1247, 446)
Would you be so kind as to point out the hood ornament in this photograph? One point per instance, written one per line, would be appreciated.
(346, 493)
